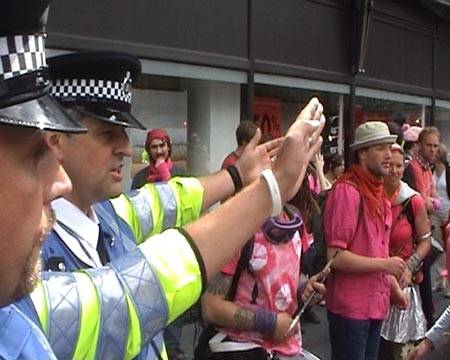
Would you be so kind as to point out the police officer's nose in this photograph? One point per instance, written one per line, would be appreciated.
(56, 180)
(123, 145)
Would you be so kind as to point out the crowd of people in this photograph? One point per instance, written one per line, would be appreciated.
(373, 220)
(89, 271)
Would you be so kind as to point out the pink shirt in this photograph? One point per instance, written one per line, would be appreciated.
(276, 270)
(358, 296)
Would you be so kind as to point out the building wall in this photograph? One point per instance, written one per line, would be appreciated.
(407, 47)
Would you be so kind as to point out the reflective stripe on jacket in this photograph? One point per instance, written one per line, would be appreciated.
(156, 207)
(117, 308)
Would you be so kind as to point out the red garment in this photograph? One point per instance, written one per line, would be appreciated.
(401, 241)
(229, 160)
(370, 188)
(276, 271)
(423, 178)
(160, 171)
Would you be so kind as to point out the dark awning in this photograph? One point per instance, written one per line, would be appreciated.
(439, 7)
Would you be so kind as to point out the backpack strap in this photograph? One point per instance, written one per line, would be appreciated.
(408, 211)
(244, 259)
(409, 176)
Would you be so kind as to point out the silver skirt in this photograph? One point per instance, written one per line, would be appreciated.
(402, 326)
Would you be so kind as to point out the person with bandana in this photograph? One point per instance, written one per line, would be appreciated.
(161, 168)
(357, 221)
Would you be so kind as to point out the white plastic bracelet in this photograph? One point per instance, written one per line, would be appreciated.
(272, 183)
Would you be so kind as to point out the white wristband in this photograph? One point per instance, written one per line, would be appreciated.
(272, 183)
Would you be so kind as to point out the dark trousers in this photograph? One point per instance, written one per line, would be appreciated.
(426, 293)
(353, 339)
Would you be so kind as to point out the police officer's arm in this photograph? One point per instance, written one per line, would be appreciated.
(157, 207)
(115, 310)
(254, 159)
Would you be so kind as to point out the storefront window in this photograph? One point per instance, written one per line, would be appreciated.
(283, 104)
(393, 109)
(200, 117)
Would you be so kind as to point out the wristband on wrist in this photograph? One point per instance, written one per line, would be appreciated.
(414, 262)
(234, 174)
(425, 236)
(265, 321)
(272, 183)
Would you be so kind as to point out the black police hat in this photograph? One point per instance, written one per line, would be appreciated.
(24, 84)
(97, 83)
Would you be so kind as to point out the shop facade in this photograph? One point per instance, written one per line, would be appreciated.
(209, 64)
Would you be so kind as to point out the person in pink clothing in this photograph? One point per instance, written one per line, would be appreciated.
(410, 239)
(252, 321)
(357, 221)
(418, 175)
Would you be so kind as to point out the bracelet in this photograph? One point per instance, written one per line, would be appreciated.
(425, 236)
(272, 183)
(265, 321)
(234, 174)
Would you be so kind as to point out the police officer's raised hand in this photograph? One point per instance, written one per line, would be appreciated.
(301, 143)
(255, 158)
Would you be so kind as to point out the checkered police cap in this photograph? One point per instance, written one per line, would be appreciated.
(97, 83)
(24, 83)
(21, 54)
(66, 89)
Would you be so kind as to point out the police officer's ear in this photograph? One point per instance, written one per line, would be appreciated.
(55, 141)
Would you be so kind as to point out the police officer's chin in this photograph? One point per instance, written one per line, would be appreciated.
(28, 280)
(31, 272)
(32, 265)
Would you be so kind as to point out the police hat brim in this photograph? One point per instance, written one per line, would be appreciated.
(119, 118)
(42, 113)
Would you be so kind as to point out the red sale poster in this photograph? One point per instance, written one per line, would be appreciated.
(267, 115)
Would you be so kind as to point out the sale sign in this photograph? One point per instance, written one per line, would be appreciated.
(267, 115)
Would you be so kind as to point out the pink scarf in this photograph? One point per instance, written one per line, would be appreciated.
(160, 172)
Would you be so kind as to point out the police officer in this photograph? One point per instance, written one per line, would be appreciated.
(95, 87)
(110, 312)
(28, 168)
